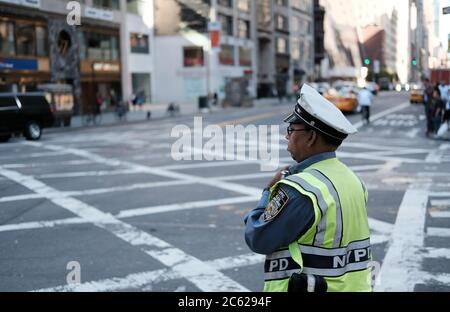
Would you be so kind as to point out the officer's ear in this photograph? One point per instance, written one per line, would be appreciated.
(313, 137)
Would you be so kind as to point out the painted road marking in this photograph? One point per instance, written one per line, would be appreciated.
(440, 214)
(246, 190)
(33, 155)
(98, 191)
(137, 280)
(401, 265)
(438, 231)
(51, 164)
(78, 174)
(204, 276)
(147, 185)
(383, 113)
(382, 230)
(437, 253)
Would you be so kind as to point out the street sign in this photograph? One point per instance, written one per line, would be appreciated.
(376, 66)
(446, 10)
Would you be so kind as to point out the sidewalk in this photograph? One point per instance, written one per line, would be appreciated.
(140, 113)
(158, 112)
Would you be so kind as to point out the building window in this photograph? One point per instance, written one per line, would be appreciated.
(281, 2)
(295, 24)
(302, 51)
(139, 43)
(25, 39)
(245, 57)
(243, 28)
(99, 47)
(308, 52)
(226, 3)
(226, 55)
(193, 57)
(295, 49)
(281, 22)
(134, 6)
(107, 4)
(227, 24)
(307, 27)
(41, 41)
(304, 5)
(141, 87)
(7, 44)
(244, 5)
(281, 45)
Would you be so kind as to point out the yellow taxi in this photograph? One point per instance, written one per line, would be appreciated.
(416, 94)
(344, 98)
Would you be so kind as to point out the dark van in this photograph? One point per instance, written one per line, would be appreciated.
(26, 113)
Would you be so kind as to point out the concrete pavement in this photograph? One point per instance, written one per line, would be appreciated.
(115, 202)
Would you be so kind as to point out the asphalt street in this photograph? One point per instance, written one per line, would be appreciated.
(111, 204)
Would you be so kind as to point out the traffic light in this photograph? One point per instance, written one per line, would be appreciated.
(367, 61)
(414, 62)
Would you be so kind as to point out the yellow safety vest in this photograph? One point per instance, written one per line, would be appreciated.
(337, 245)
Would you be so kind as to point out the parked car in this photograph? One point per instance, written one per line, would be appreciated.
(60, 97)
(25, 113)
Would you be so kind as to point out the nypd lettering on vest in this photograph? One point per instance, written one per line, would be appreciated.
(318, 261)
(352, 256)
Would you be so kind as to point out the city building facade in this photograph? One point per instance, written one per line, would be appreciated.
(190, 63)
(42, 46)
(363, 33)
(157, 51)
(285, 34)
(138, 48)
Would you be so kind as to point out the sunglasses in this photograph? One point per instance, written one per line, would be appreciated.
(290, 130)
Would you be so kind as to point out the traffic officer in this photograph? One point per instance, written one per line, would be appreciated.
(311, 222)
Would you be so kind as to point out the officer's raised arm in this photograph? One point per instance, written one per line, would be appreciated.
(276, 222)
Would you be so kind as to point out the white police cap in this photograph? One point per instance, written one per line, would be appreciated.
(319, 113)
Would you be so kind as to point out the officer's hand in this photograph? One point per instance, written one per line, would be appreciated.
(277, 177)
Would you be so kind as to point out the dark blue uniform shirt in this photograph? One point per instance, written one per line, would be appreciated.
(291, 214)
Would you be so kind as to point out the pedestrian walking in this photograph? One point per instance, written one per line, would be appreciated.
(365, 99)
(427, 101)
(98, 104)
(437, 108)
(311, 221)
(445, 96)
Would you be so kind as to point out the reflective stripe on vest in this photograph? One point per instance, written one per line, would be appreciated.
(338, 232)
(332, 262)
(321, 227)
(337, 245)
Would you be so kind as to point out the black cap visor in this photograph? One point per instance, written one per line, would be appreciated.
(293, 118)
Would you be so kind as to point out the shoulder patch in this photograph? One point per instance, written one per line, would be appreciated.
(275, 205)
